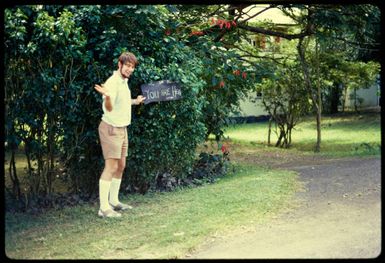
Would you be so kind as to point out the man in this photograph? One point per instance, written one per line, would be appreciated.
(113, 133)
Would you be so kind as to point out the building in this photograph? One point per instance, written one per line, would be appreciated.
(364, 98)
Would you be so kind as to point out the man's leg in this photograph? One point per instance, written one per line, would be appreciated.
(111, 149)
(117, 178)
(116, 181)
(115, 186)
(110, 167)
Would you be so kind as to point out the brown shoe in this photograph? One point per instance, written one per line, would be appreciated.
(109, 213)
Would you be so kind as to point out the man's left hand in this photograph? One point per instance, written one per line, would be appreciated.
(140, 99)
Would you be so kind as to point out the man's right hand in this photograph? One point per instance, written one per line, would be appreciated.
(102, 90)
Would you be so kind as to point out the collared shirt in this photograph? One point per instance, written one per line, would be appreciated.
(120, 96)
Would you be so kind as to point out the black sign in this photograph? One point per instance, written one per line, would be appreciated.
(163, 90)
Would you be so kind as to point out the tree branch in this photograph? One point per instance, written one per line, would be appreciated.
(250, 54)
(275, 33)
(357, 43)
(267, 8)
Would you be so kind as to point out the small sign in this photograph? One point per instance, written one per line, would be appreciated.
(163, 90)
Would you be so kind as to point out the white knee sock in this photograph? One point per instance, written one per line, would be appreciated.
(114, 191)
(104, 188)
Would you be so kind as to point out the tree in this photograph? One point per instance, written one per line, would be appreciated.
(284, 100)
(39, 68)
(347, 35)
(228, 78)
(340, 74)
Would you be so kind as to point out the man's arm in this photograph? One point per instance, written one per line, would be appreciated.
(107, 99)
(107, 102)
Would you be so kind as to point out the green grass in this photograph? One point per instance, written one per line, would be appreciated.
(342, 136)
(170, 225)
(161, 225)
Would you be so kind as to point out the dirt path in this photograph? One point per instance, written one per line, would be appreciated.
(339, 216)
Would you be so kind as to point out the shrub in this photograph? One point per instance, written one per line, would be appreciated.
(54, 56)
(54, 110)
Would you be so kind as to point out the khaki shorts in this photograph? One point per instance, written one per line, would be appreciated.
(113, 140)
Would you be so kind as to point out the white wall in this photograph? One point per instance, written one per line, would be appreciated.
(250, 108)
(370, 97)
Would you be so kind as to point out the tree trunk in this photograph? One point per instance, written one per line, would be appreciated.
(318, 144)
(281, 135)
(345, 97)
(12, 168)
(319, 108)
(309, 86)
(269, 132)
(289, 136)
(13, 175)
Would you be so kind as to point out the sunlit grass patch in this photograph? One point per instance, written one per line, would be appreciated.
(351, 135)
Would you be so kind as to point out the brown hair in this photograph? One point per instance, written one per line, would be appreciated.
(128, 57)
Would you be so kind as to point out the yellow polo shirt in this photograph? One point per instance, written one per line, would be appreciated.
(120, 96)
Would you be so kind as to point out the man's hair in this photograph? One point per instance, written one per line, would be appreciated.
(128, 57)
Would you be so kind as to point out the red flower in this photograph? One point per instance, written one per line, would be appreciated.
(237, 72)
(223, 23)
(168, 32)
(244, 75)
(224, 149)
(196, 33)
(222, 84)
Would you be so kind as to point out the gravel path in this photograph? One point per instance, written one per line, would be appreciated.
(338, 216)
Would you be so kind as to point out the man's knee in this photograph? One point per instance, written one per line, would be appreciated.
(111, 166)
(121, 167)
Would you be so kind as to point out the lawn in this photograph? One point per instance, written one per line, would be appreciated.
(341, 136)
(161, 225)
(172, 224)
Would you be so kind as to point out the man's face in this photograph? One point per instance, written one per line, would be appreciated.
(126, 69)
